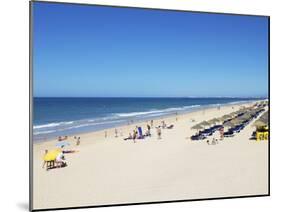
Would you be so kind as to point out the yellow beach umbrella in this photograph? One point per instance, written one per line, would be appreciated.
(52, 155)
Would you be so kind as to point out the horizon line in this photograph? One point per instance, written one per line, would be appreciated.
(242, 97)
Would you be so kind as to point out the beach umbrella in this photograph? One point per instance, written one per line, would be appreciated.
(266, 113)
(264, 118)
(236, 121)
(214, 121)
(259, 123)
(197, 127)
(62, 144)
(233, 114)
(239, 112)
(229, 124)
(244, 117)
(227, 116)
(221, 119)
(204, 123)
(52, 155)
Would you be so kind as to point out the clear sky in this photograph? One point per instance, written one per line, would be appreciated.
(95, 51)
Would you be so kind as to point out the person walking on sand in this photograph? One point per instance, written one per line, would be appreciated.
(159, 132)
(164, 125)
(134, 136)
(148, 130)
(221, 133)
(151, 123)
(44, 163)
(60, 161)
(105, 134)
(78, 141)
(214, 141)
(116, 133)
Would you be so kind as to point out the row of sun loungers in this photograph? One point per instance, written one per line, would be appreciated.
(239, 127)
(206, 132)
(236, 122)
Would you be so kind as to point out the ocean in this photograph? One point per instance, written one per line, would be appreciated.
(54, 117)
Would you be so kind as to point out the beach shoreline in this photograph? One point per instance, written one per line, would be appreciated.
(146, 120)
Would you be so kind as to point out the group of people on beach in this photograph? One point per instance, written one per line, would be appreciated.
(58, 162)
(56, 158)
(214, 142)
(138, 133)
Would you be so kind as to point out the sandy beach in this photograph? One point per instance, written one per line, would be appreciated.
(113, 171)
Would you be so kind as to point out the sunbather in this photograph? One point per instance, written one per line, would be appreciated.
(148, 131)
(60, 160)
(170, 126)
(159, 132)
(68, 151)
(163, 124)
(129, 137)
(134, 136)
(116, 133)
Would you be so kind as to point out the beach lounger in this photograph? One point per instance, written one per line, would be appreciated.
(206, 132)
(229, 133)
(170, 127)
(125, 139)
(197, 137)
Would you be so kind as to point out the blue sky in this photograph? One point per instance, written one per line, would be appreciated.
(96, 51)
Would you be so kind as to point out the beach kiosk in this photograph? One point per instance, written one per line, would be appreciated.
(262, 134)
(261, 131)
